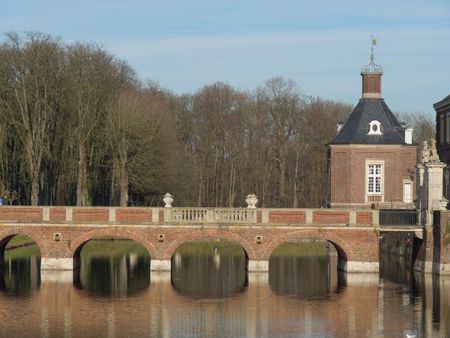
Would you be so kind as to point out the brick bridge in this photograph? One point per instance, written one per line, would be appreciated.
(61, 232)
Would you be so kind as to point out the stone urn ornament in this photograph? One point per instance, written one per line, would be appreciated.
(168, 200)
(251, 201)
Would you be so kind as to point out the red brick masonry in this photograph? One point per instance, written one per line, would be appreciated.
(75, 226)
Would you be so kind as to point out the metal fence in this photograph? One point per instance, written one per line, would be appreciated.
(398, 217)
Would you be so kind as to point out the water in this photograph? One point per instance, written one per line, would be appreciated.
(209, 294)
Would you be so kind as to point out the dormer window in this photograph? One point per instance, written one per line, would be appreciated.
(375, 128)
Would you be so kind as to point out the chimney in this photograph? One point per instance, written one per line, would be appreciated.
(371, 77)
(409, 135)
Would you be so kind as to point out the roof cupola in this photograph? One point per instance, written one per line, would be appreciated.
(371, 77)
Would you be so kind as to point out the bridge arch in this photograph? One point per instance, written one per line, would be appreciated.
(201, 235)
(343, 249)
(77, 245)
(7, 234)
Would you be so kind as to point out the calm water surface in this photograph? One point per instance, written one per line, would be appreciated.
(208, 294)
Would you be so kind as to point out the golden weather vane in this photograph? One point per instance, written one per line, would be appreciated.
(374, 40)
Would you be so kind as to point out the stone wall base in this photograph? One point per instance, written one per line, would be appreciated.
(353, 266)
(160, 265)
(57, 263)
(60, 276)
(258, 266)
(436, 268)
(442, 269)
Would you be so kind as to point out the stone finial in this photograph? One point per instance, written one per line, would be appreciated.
(168, 200)
(251, 201)
(434, 157)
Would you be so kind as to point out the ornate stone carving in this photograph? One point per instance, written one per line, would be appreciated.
(434, 157)
(425, 154)
(429, 153)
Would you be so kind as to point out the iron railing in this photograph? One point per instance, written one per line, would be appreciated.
(398, 217)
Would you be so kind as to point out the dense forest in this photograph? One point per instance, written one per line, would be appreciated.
(77, 127)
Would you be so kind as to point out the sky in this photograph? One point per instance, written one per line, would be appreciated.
(322, 44)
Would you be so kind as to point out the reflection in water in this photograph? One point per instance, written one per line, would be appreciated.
(20, 276)
(368, 306)
(307, 269)
(20, 270)
(209, 269)
(115, 268)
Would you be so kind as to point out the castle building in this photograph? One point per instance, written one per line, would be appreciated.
(372, 159)
(442, 109)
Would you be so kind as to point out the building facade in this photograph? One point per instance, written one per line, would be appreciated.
(372, 159)
(442, 109)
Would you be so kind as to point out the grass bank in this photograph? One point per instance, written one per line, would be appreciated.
(114, 247)
(301, 249)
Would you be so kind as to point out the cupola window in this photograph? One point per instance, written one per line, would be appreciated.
(375, 128)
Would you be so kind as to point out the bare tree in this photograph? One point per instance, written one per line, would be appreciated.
(33, 80)
(216, 112)
(141, 139)
(94, 78)
(284, 103)
(422, 123)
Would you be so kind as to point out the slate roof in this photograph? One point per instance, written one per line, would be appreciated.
(355, 129)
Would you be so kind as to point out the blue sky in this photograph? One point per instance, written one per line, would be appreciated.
(320, 44)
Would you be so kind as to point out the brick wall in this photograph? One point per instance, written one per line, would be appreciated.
(348, 172)
(371, 83)
(135, 215)
(287, 217)
(22, 214)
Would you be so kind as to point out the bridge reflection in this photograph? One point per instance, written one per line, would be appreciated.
(367, 306)
(116, 268)
(355, 303)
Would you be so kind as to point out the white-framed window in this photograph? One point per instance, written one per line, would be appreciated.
(374, 181)
(407, 191)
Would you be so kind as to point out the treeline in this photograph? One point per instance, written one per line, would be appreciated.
(77, 127)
